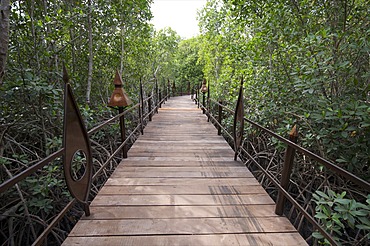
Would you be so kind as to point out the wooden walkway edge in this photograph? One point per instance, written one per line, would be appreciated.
(180, 186)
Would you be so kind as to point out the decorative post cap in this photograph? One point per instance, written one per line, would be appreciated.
(204, 88)
(119, 96)
(293, 134)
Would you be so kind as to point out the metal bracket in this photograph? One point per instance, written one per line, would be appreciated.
(75, 140)
(238, 126)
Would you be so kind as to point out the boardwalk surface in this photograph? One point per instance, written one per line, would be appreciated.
(180, 186)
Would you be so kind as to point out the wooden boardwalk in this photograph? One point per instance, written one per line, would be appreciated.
(180, 186)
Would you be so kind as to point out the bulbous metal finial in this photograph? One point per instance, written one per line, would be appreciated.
(204, 88)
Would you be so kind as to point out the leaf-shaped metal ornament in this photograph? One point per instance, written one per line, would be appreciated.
(75, 143)
(238, 126)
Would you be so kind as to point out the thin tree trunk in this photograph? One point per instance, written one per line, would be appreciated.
(35, 44)
(4, 35)
(49, 46)
(91, 56)
(123, 32)
(122, 47)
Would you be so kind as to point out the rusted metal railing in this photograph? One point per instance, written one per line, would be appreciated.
(76, 139)
(291, 149)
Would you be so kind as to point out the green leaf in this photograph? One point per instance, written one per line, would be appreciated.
(339, 160)
(326, 211)
(317, 235)
(359, 212)
(363, 227)
(320, 215)
(342, 201)
(322, 194)
(351, 220)
(364, 221)
(341, 209)
(336, 219)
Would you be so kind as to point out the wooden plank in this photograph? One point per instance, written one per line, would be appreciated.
(232, 169)
(182, 181)
(199, 142)
(196, 150)
(179, 158)
(250, 239)
(180, 190)
(180, 147)
(181, 137)
(176, 163)
(189, 174)
(201, 226)
(188, 153)
(180, 200)
(168, 212)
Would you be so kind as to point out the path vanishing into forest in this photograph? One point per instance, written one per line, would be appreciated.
(181, 186)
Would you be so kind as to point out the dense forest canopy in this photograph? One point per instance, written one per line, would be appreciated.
(303, 62)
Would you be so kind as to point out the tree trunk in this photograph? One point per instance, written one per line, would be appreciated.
(35, 42)
(122, 47)
(91, 55)
(4, 35)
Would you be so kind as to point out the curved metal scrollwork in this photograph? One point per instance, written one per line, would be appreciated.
(238, 126)
(76, 143)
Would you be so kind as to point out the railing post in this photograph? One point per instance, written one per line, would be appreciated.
(120, 99)
(198, 92)
(238, 126)
(123, 131)
(286, 172)
(196, 95)
(141, 106)
(173, 88)
(157, 99)
(168, 88)
(204, 89)
(208, 104)
(150, 107)
(160, 99)
(157, 103)
(165, 91)
(164, 94)
(204, 102)
(219, 117)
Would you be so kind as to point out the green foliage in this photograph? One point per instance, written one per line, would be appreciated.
(187, 66)
(44, 35)
(340, 215)
(303, 63)
(165, 44)
(43, 189)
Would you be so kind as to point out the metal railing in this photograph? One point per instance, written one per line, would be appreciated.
(146, 108)
(291, 151)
